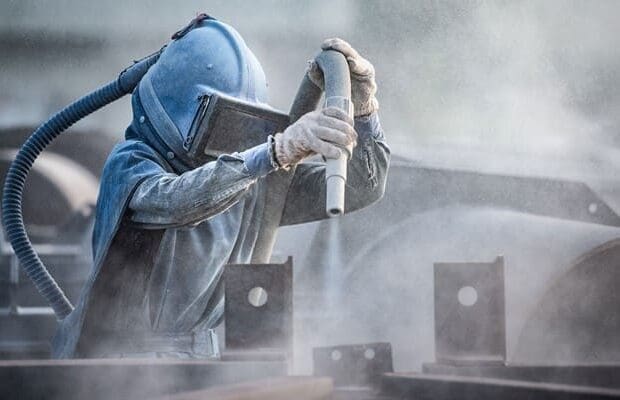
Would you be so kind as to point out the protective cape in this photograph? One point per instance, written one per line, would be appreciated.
(134, 161)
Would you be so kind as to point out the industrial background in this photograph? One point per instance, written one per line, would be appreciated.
(502, 118)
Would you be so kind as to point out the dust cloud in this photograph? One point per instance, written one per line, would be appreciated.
(513, 87)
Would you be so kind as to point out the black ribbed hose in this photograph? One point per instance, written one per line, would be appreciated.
(12, 218)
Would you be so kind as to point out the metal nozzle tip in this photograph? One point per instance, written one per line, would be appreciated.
(334, 212)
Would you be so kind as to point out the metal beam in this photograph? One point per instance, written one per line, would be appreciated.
(443, 387)
(603, 375)
(300, 388)
(123, 378)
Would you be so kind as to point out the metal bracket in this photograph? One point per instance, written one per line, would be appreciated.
(359, 365)
(470, 320)
(259, 306)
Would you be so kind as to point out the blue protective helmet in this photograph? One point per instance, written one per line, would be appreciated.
(209, 58)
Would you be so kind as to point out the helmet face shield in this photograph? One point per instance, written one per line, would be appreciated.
(224, 125)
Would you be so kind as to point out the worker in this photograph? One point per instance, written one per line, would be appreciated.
(166, 224)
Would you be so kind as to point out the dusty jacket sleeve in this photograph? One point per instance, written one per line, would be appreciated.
(366, 177)
(170, 200)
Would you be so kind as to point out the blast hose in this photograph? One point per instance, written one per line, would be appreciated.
(337, 94)
(12, 218)
(337, 90)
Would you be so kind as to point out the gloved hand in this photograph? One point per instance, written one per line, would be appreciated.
(325, 132)
(363, 85)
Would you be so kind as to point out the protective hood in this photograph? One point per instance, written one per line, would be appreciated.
(210, 58)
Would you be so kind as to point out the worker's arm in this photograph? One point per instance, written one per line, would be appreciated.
(367, 169)
(366, 177)
(170, 200)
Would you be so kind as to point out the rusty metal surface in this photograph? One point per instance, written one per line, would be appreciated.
(98, 379)
(470, 315)
(578, 318)
(353, 365)
(268, 323)
(602, 375)
(440, 387)
(294, 387)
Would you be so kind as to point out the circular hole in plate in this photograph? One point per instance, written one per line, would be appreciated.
(467, 296)
(336, 355)
(257, 296)
(369, 354)
(592, 208)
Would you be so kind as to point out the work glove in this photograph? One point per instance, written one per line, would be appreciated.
(326, 132)
(363, 85)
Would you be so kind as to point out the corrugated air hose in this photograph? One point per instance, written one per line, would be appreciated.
(12, 218)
